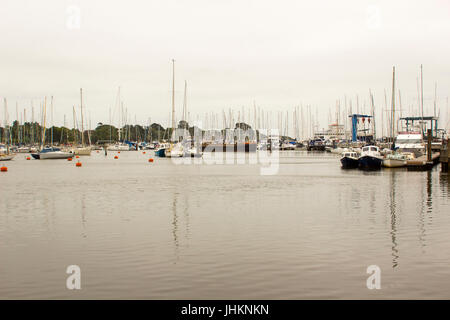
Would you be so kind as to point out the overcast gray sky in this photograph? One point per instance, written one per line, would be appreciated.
(231, 52)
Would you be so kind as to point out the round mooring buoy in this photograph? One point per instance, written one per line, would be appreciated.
(3, 169)
(150, 160)
(78, 164)
(116, 157)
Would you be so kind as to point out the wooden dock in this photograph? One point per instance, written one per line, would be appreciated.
(423, 163)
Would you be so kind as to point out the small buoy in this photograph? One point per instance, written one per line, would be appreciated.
(78, 164)
(150, 160)
(97, 151)
(28, 158)
(77, 157)
(69, 159)
(143, 152)
(118, 152)
(3, 169)
(116, 157)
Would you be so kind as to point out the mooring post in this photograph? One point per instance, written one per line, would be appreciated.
(429, 138)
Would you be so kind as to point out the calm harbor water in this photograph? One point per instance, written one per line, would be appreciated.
(142, 230)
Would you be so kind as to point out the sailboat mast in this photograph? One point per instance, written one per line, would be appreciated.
(393, 105)
(51, 107)
(82, 120)
(185, 101)
(173, 95)
(45, 118)
(421, 96)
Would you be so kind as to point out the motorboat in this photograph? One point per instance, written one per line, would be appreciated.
(119, 147)
(370, 158)
(52, 153)
(287, 146)
(410, 142)
(160, 151)
(349, 160)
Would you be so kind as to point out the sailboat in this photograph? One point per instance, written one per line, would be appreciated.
(5, 153)
(50, 152)
(175, 150)
(394, 159)
(83, 150)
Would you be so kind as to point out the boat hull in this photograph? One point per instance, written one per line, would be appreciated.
(82, 151)
(369, 163)
(55, 155)
(349, 163)
(394, 163)
(7, 157)
(160, 153)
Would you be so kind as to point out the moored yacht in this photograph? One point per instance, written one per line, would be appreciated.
(175, 151)
(410, 142)
(119, 147)
(7, 157)
(370, 158)
(349, 160)
(51, 153)
(395, 160)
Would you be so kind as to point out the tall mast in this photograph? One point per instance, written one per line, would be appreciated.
(173, 95)
(45, 118)
(421, 96)
(32, 123)
(435, 97)
(51, 107)
(185, 101)
(82, 120)
(373, 117)
(393, 105)
(7, 132)
(75, 135)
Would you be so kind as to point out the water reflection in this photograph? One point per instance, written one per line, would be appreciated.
(444, 182)
(429, 201)
(393, 211)
(175, 225)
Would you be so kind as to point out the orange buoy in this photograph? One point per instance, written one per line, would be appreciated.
(97, 151)
(118, 152)
(28, 158)
(3, 169)
(77, 157)
(150, 160)
(143, 152)
(69, 159)
(116, 157)
(78, 164)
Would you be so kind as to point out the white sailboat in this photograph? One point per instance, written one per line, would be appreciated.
(82, 150)
(5, 152)
(175, 150)
(50, 152)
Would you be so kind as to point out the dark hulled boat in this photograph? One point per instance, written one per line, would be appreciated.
(349, 160)
(370, 158)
